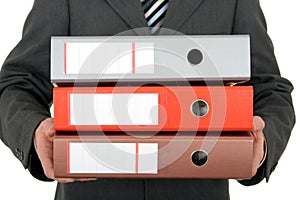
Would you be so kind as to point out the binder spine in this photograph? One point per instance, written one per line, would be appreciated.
(199, 58)
(176, 108)
(117, 156)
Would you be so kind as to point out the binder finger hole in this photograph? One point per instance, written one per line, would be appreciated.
(194, 56)
(199, 108)
(199, 158)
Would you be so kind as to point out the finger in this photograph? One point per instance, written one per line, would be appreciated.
(259, 136)
(258, 124)
(85, 179)
(50, 136)
(47, 165)
(70, 180)
(50, 133)
(47, 123)
(258, 152)
(255, 164)
(45, 155)
(49, 127)
(64, 180)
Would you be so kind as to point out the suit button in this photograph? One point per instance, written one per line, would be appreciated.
(17, 151)
(19, 154)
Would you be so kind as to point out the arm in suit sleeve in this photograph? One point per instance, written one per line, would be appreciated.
(272, 93)
(25, 88)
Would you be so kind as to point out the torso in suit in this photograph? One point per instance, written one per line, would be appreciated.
(26, 91)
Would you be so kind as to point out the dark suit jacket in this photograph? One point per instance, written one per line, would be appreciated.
(26, 91)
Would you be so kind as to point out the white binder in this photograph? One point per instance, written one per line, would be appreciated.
(150, 58)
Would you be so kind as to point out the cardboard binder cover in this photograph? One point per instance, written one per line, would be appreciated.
(153, 108)
(130, 58)
(160, 156)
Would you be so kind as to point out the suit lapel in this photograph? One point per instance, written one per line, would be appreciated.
(131, 12)
(179, 11)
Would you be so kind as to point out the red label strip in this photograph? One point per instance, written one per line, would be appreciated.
(133, 58)
(65, 58)
(137, 158)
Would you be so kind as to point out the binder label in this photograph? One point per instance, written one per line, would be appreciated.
(137, 158)
(109, 58)
(114, 109)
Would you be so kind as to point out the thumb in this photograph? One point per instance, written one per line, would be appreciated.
(258, 124)
(48, 126)
(50, 133)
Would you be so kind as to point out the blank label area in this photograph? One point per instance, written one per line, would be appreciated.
(109, 58)
(114, 109)
(113, 158)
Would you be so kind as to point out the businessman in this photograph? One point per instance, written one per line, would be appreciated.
(26, 91)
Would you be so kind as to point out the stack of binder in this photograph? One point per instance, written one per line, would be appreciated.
(152, 106)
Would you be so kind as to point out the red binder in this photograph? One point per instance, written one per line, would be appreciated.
(153, 108)
(159, 156)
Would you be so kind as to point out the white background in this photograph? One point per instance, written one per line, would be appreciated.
(283, 24)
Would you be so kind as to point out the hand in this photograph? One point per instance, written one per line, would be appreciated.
(43, 142)
(259, 140)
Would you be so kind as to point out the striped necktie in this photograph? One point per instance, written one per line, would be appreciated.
(155, 11)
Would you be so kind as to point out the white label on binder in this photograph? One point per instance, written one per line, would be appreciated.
(144, 58)
(113, 158)
(109, 58)
(114, 109)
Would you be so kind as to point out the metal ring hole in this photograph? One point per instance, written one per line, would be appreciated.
(194, 56)
(199, 108)
(199, 158)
